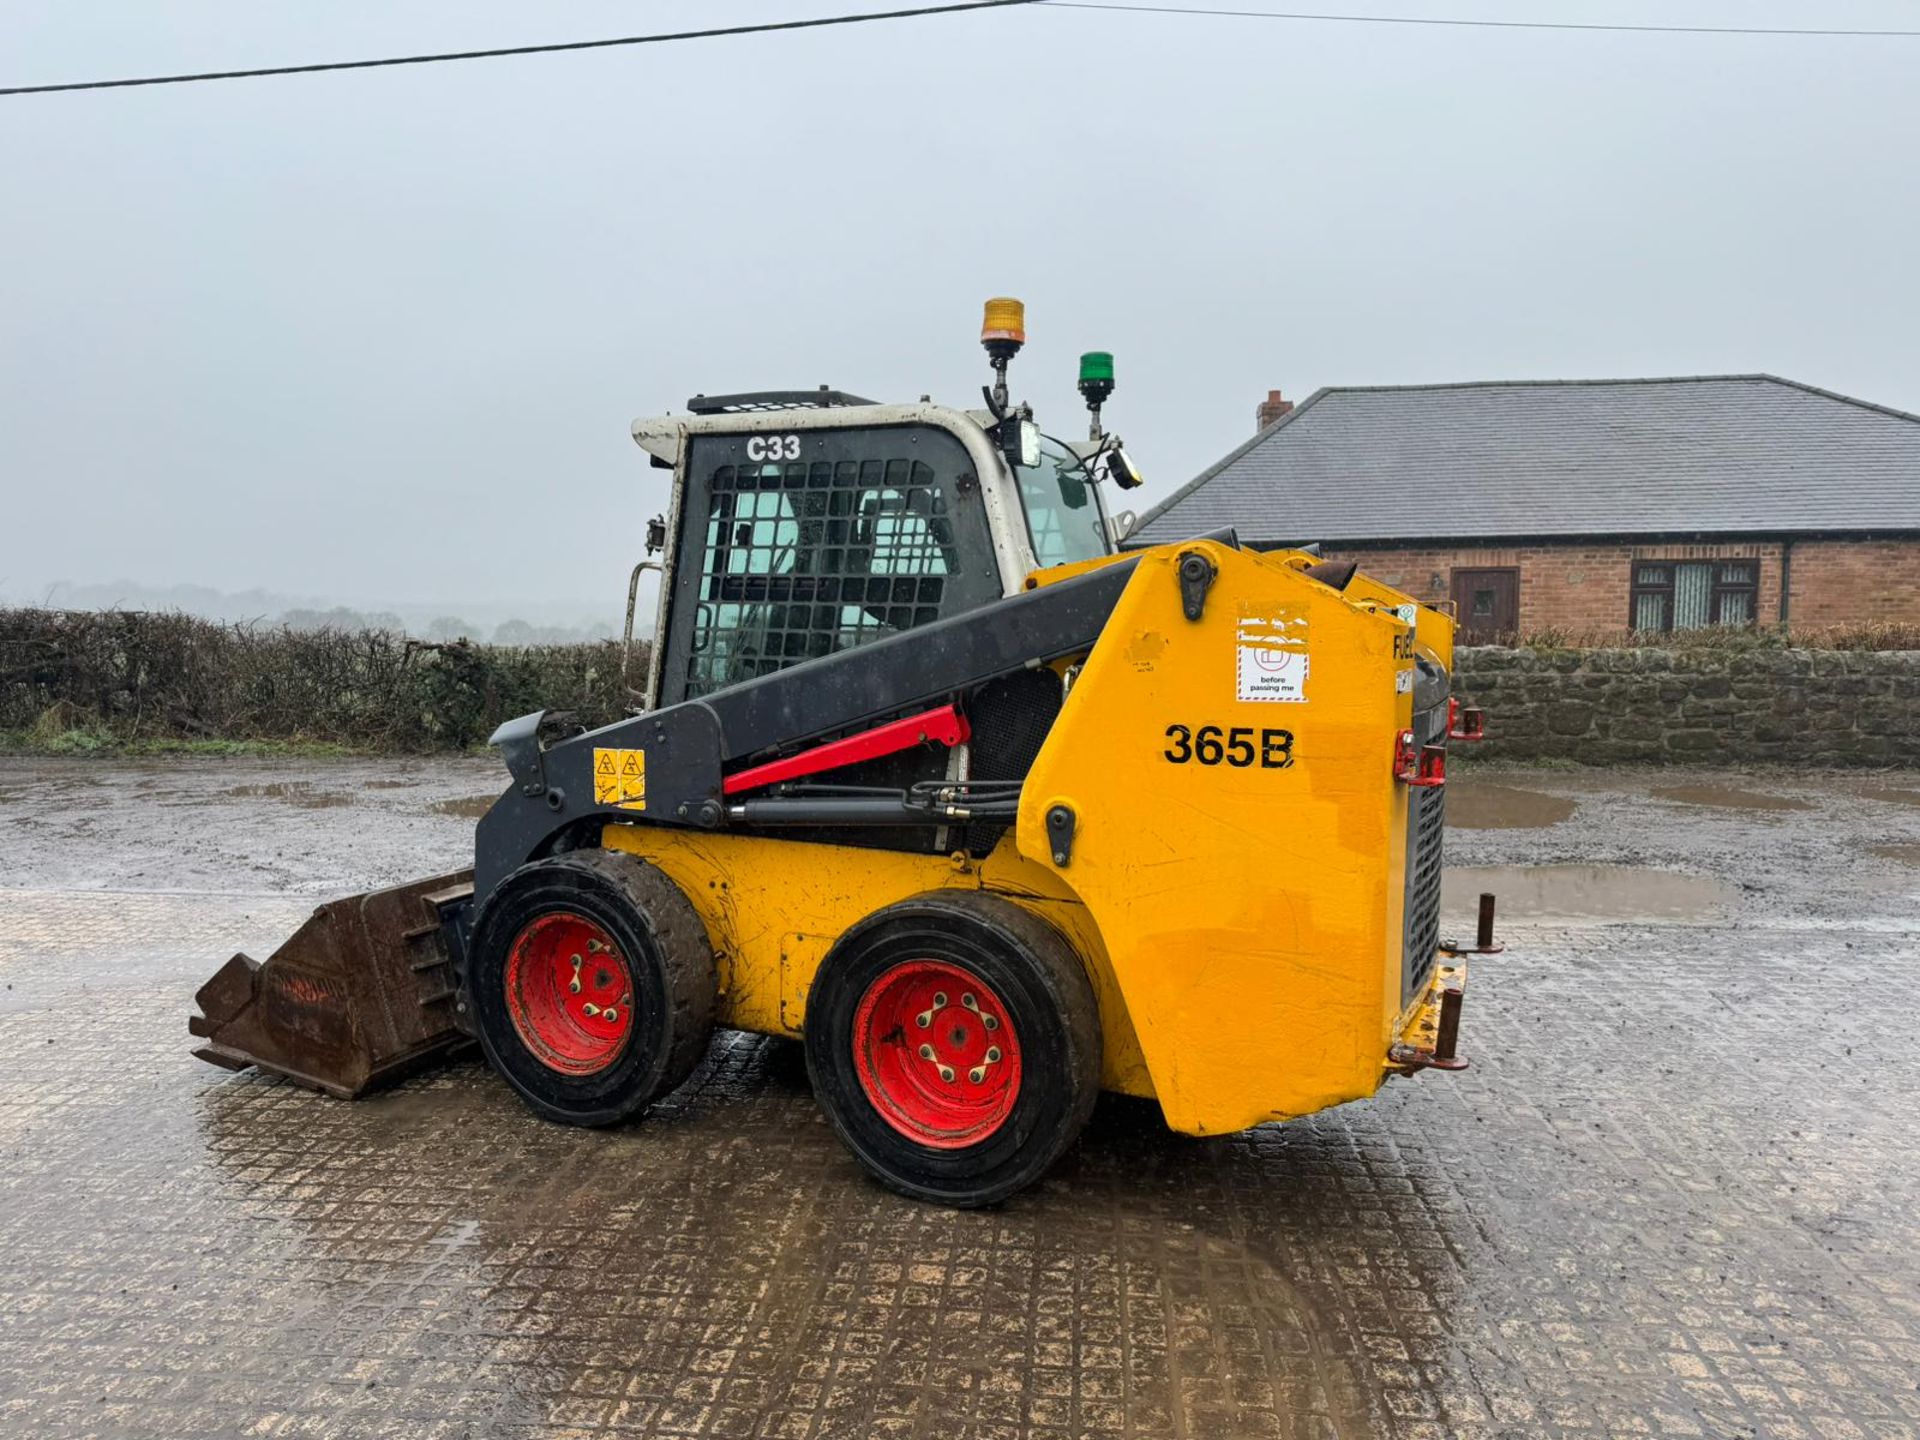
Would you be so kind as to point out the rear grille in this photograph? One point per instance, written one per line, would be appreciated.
(1426, 824)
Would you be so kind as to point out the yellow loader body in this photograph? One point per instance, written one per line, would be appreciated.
(1235, 883)
(989, 817)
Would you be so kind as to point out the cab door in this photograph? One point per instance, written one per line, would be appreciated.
(796, 544)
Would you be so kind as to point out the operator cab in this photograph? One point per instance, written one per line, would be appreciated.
(794, 543)
(809, 522)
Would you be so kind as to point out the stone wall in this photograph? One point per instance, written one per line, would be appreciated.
(1706, 705)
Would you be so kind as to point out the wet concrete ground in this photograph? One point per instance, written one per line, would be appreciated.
(1676, 1194)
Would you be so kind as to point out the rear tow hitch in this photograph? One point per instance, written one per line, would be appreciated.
(1444, 1028)
(1483, 942)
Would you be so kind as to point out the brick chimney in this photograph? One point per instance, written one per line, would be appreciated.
(1270, 410)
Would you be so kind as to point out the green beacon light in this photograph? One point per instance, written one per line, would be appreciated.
(1096, 384)
(1096, 376)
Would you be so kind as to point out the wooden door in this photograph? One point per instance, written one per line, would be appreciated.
(1487, 602)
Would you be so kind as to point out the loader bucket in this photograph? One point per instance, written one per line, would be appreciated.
(361, 995)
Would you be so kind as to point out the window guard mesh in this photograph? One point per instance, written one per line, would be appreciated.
(805, 558)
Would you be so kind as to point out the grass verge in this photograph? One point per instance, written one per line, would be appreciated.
(95, 742)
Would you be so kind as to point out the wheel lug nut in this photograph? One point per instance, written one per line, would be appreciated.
(977, 1074)
(946, 1073)
(993, 1054)
(926, 1052)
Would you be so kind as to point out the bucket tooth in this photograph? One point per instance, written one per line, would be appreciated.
(224, 996)
(358, 997)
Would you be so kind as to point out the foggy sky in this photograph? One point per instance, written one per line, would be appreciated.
(379, 336)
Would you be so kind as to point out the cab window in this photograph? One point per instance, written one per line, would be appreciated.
(1065, 518)
(849, 536)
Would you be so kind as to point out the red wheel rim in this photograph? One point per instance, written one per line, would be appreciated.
(569, 993)
(937, 1054)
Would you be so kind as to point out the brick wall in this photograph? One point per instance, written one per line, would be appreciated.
(1583, 587)
(1837, 582)
(1702, 704)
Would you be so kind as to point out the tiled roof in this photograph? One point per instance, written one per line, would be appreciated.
(1722, 454)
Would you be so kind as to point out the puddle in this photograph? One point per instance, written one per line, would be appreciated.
(1905, 854)
(471, 808)
(1502, 807)
(1893, 797)
(424, 1104)
(294, 792)
(1725, 797)
(391, 784)
(1585, 892)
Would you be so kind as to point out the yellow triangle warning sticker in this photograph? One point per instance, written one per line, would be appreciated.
(620, 778)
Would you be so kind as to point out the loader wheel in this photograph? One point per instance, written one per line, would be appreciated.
(954, 1042)
(591, 984)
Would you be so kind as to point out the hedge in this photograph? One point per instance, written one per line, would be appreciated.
(134, 677)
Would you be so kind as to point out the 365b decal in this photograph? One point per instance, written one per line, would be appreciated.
(1241, 747)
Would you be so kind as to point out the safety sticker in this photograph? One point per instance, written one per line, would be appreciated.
(620, 778)
(1409, 616)
(1270, 659)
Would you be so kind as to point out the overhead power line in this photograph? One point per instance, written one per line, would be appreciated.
(558, 47)
(1478, 24)
(443, 57)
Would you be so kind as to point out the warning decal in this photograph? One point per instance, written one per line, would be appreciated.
(1270, 656)
(620, 778)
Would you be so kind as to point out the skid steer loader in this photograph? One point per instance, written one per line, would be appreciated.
(990, 814)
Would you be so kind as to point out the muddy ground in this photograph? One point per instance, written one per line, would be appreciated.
(1675, 1195)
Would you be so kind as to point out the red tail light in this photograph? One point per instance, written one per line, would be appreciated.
(1465, 722)
(1421, 766)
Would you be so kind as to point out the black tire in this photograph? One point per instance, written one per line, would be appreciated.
(1034, 974)
(669, 962)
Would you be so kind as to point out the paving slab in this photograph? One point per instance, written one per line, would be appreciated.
(1675, 1195)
